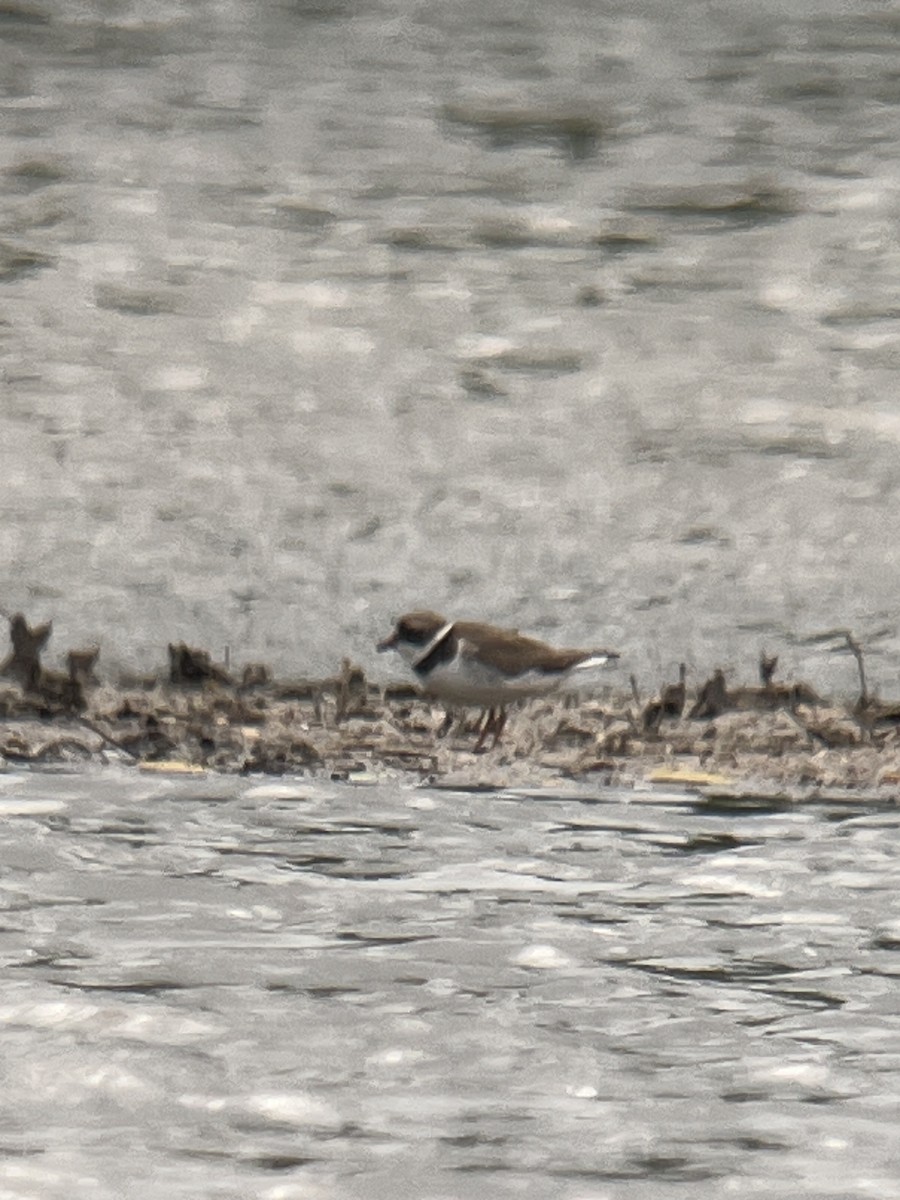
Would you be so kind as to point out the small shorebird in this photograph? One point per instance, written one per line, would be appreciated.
(471, 664)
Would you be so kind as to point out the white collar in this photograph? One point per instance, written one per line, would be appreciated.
(435, 641)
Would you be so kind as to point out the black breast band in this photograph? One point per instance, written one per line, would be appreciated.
(441, 650)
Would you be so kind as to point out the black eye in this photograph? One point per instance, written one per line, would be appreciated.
(414, 634)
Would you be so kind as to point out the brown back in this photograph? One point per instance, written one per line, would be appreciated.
(513, 653)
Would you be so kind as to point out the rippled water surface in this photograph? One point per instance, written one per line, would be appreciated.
(581, 317)
(288, 990)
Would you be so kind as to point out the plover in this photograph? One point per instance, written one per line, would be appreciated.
(471, 664)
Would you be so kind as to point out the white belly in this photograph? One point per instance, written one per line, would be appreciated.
(466, 681)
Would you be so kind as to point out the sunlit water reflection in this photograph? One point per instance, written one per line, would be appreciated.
(233, 987)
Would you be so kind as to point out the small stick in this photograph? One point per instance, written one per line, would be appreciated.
(106, 738)
(850, 643)
(857, 651)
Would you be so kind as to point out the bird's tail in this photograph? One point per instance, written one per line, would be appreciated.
(597, 658)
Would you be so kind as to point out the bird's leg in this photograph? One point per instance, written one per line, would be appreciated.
(486, 728)
(499, 726)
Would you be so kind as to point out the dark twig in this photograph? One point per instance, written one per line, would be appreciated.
(712, 700)
(670, 703)
(857, 651)
(104, 737)
(847, 641)
(767, 665)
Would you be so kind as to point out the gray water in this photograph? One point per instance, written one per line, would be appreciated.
(291, 990)
(579, 317)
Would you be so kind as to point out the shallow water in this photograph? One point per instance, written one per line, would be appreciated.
(245, 988)
(581, 319)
